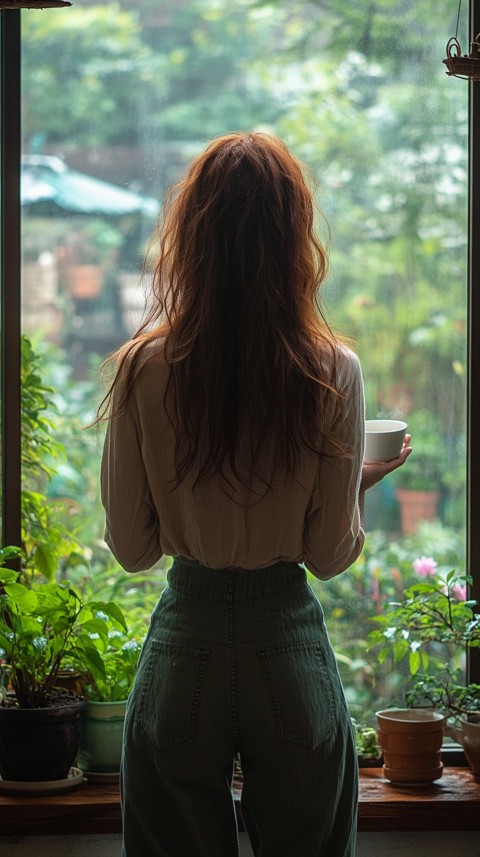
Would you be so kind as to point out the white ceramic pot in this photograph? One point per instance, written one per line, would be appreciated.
(466, 731)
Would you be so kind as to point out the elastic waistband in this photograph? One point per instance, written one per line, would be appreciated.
(233, 584)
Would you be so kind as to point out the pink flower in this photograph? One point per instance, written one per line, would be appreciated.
(424, 566)
(460, 592)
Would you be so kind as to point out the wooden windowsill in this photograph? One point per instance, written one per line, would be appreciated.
(452, 803)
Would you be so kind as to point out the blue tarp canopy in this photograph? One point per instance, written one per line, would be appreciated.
(48, 181)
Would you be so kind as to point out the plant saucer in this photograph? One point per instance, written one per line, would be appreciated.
(44, 787)
(102, 777)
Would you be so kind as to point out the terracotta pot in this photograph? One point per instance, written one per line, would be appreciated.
(396, 742)
(416, 506)
(85, 281)
(413, 761)
(411, 740)
(411, 777)
(70, 680)
(467, 733)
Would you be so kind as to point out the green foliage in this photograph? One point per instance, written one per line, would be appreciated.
(380, 576)
(432, 621)
(45, 626)
(45, 537)
(84, 73)
(45, 623)
(366, 741)
(38, 438)
(432, 611)
(385, 132)
(445, 692)
(115, 75)
(119, 653)
(428, 462)
(48, 624)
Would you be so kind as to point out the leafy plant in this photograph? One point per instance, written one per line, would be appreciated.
(434, 614)
(119, 653)
(45, 538)
(431, 612)
(44, 626)
(378, 577)
(444, 692)
(48, 624)
(366, 741)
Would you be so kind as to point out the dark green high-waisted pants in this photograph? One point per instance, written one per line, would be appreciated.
(238, 660)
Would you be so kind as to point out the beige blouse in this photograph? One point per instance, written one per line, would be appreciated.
(313, 518)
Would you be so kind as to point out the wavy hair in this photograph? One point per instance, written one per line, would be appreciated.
(234, 305)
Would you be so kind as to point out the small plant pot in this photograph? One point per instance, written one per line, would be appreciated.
(102, 737)
(400, 742)
(70, 680)
(86, 281)
(467, 733)
(411, 740)
(416, 506)
(39, 744)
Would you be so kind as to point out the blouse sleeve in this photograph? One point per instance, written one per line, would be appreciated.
(132, 529)
(333, 534)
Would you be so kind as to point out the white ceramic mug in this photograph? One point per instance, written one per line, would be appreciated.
(383, 439)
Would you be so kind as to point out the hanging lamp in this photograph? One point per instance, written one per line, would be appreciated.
(466, 66)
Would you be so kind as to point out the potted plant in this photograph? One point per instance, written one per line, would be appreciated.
(43, 626)
(411, 740)
(459, 703)
(433, 620)
(47, 625)
(418, 485)
(369, 752)
(107, 684)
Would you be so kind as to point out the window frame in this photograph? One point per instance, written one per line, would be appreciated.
(473, 367)
(10, 264)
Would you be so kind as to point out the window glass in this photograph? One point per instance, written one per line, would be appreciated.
(117, 99)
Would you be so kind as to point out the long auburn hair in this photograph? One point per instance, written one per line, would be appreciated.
(234, 306)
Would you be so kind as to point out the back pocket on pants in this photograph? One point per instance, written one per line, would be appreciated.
(169, 689)
(305, 698)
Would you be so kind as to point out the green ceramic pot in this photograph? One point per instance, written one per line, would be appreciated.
(101, 737)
